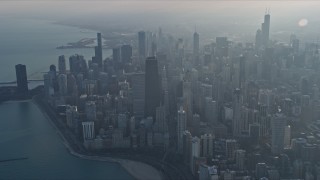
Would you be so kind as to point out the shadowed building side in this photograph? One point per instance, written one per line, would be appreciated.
(22, 81)
(152, 87)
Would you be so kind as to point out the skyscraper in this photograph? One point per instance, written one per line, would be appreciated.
(77, 64)
(138, 94)
(195, 152)
(261, 170)
(88, 130)
(116, 54)
(254, 132)
(98, 51)
(22, 81)
(181, 127)
(62, 81)
(91, 111)
(206, 145)
(187, 98)
(152, 87)
(196, 124)
(258, 40)
(236, 113)
(142, 44)
(164, 86)
(48, 89)
(160, 125)
(240, 156)
(287, 136)
(211, 114)
(126, 53)
(187, 143)
(99, 40)
(278, 124)
(195, 44)
(53, 78)
(62, 64)
(72, 116)
(265, 27)
(231, 147)
(242, 71)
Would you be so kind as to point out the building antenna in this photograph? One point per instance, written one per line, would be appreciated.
(195, 28)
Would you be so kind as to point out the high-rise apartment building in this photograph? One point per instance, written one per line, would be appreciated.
(22, 81)
(142, 44)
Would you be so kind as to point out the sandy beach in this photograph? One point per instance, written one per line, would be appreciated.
(140, 170)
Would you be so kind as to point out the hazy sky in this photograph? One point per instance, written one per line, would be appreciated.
(209, 16)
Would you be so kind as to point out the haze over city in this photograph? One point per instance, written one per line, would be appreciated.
(154, 90)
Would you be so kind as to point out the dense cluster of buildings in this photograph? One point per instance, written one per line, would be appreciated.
(231, 110)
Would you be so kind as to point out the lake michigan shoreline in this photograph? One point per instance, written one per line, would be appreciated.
(137, 170)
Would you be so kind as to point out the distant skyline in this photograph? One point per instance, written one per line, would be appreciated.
(212, 18)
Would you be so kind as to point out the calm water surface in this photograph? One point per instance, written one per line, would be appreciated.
(25, 132)
(33, 43)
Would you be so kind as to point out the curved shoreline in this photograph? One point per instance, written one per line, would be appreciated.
(136, 169)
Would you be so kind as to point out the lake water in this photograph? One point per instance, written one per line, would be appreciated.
(33, 43)
(25, 132)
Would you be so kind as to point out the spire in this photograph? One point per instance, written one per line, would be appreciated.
(267, 12)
